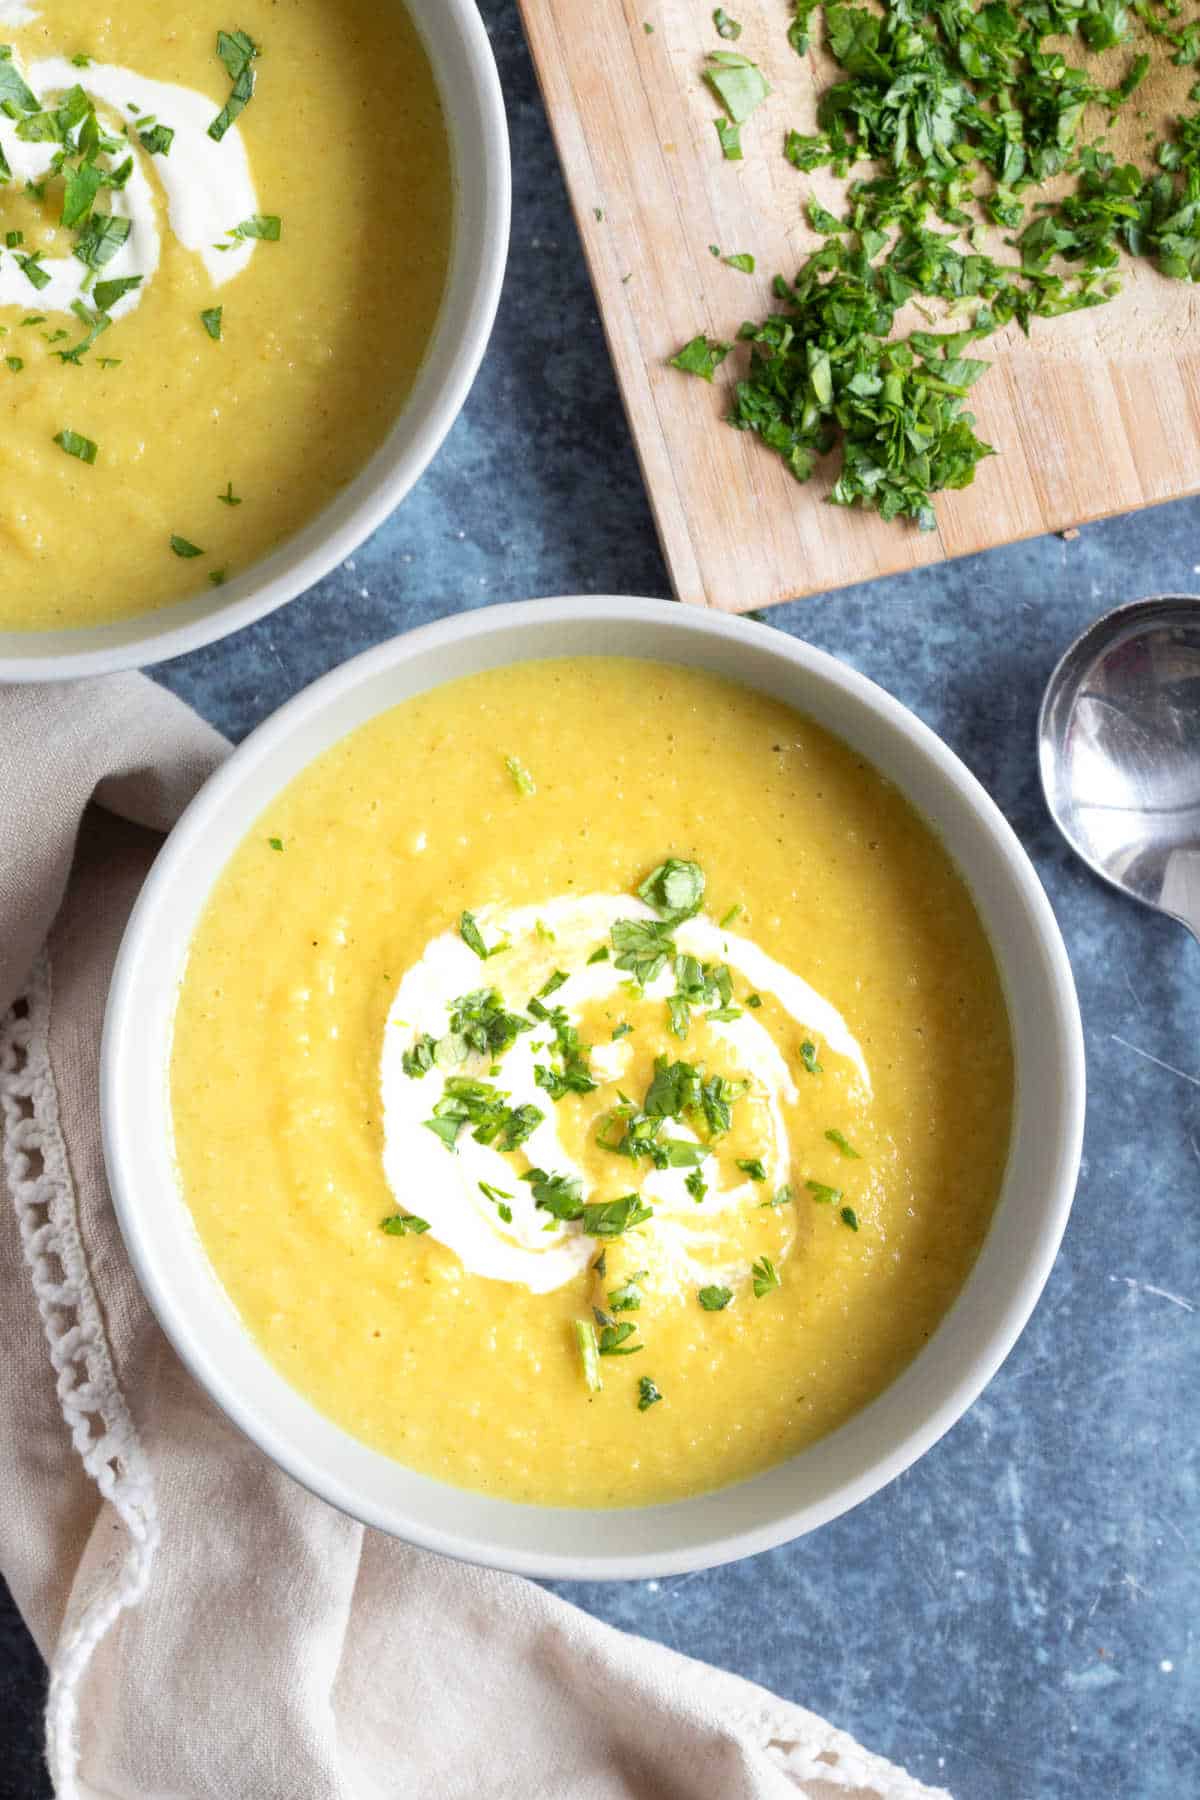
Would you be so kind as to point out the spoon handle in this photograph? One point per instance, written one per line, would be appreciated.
(1181, 888)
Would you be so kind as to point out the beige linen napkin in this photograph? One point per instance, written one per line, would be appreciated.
(212, 1629)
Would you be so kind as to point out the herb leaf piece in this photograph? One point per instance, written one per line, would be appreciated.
(714, 1299)
(181, 546)
(588, 1346)
(648, 1394)
(75, 444)
(210, 318)
(403, 1225)
(675, 890)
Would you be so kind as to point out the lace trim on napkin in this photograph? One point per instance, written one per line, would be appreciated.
(38, 1175)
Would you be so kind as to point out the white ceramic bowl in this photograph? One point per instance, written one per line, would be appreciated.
(465, 71)
(822, 1481)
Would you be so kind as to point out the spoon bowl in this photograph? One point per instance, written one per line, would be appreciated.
(1119, 752)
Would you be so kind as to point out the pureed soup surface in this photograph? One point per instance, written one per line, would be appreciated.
(769, 1133)
(214, 435)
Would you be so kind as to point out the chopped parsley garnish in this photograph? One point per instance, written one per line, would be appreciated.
(743, 262)
(210, 318)
(696, 1185)
(101, 238)
(754, 1001)
(589, 1352)
(522, 780)
(237, 52)
(730, 138)
(498, 1197)
(714, 1299)
(808, 1056)
(849, 1217)
(75, 444)
(734, 912)
(483, 1107)
(765, 1276)
(753, 1167)
(642, 946)
(571, 1072)
(627, 1297)
(835, 1137)
(559, 1195)
(726, 27)
(107, 293)
(13, 239)
(32, 269)
(825, 1195)
(600, 955)
(181, 546)
(613, 1340)
(472, 937)
(783, 1196)
(675, 890)
(229, 498)
(648, 1394)
(403, 1225)
(266, 226)
(15, 363)
(157, 140)
(611, 1218)
(622, 1030)
(699, 984)
(276, 843)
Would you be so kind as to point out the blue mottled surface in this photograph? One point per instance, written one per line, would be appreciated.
(1015, 1617)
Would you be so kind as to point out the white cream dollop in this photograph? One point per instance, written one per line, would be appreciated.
(207, 186)
(443, 1188)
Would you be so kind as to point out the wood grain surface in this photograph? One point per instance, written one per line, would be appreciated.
(1093, 414)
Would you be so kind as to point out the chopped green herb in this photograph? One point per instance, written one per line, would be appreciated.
(404, 1225)
(498, 1197)
(76, 445)
(158, 140)
(472, 937)
(522, 780)
(276, 843)
(32, 269)
(753, 1167)
(703, 357)
(726, 27)
(628, 1297)
(181, 547)
(754, 1001)
(734, 912)
(266, 226)
(229, 498)
(675, 890)
(612, 1218)
(743, 262)
(730, 138)
(696, 1185)
(210, 318)
(588, 1346)
(826, 1196)
(783, 1196)
(835, 1137)
(642, 947)
(101, 238)
(622, 1030)
(808, 1056)
(648, 1394)
(81, 60)
(614, 1340)
(714, 1299)
(765, 1276)
(599, 214)
(849, 1217)
(107, 293)
(15, 363)
(738, 83)
(600, 955)
(237, 52)
(217, 577)
(13, 238)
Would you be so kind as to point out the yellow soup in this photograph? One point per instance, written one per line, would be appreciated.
(571, 1193)
(242, 314)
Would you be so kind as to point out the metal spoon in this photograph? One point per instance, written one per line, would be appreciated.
(1119, 751)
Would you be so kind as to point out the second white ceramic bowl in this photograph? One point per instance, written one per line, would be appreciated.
(822, 1481)
(465, 71)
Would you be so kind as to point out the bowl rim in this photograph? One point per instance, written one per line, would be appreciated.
(1059, 1023)
(468, 83)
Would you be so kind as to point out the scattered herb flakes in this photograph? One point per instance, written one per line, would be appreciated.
(264, 226)
(696, 1185)
(808, 1056)
(648, 1394)
(276, 843)
(742, 261)
(674, 890)
(622, 1030)
(472, 937)
(614, 1340)
(753, 1167)
(522, 780)
(628, 1297)
(754, 1001)
(31, 269)
(403, 1225)
(599, 955)
(107, 293)
(15, 363)
(714, 1299)
(835, 1137)
(765, 1276)
(598, 214)
(849, 1217)
(735, 912)
(210, 318)
(75, 444)
(726, 27)
(730, 138)
(499, 1198)
(217, 577)
(181, 546)
(13, 239)
(157, 140)
(783, 1196)
(229, 498)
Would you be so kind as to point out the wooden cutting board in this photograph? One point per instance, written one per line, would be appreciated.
(1095, 414)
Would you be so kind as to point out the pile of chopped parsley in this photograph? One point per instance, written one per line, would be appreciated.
(482, 1025)
(947, 119)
